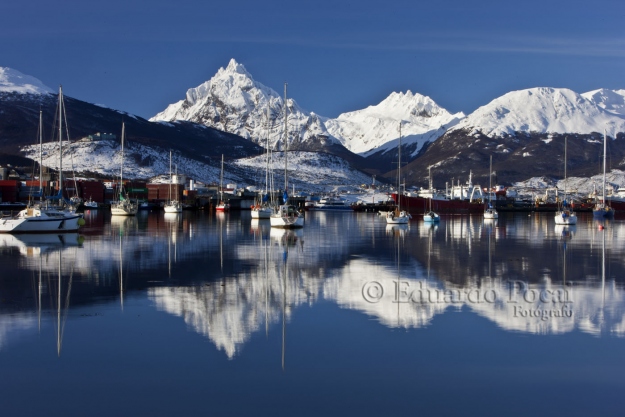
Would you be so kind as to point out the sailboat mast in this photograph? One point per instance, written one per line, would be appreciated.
(121, 169)
(399, 171)
(61, 141)
(604, 158)
(565, 177)
(221, 178)
(170, 177)
(267, 168)
(286, 141)
(40, 154)
(490, 179)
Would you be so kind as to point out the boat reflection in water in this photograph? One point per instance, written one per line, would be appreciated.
(520, 273)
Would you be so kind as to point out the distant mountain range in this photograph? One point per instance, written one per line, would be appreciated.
(233, 114)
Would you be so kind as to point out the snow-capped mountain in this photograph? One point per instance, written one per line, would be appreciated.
(14, 81)
(541, 110)
(375, 128)
(612, 101)
(233, 102)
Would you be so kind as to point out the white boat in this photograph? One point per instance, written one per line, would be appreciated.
(564, 215)
(601, 209)
(44, 217)
(286, 215)
(123, 206)
(398, 216)
(261, 212)
(32, 220)
(172, 206)
(431, 216)
(490, 213)
(332, 204)
(91, 205)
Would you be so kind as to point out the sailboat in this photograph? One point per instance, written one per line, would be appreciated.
(286, 215)
(262, 209)
(42, 217)
(172, 206)
(398, 216)
(490, 212)
(123, 206)
(223, 205)
(431, 216)
(601, 209)
(564, 215)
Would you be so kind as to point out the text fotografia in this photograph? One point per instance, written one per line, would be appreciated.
(525, 301)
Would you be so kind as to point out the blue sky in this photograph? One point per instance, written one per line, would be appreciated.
(337, 56)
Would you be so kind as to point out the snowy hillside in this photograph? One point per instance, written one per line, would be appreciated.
(609, 100)
(376, 128)
(541, 110)
(233, 102)
(14, 81)
(307, 170)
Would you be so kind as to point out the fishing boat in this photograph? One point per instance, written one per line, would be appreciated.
(398, 216)
(490, 213)
(564, 215)
(286, 215)
(431, 216)
(222, 205)
(172, 206)
(458, 199)
(601, 209)
(123, 206)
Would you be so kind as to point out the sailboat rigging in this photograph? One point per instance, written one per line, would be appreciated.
(431, 215)
(490, 212)
(601, 209)
(398, 216)
(564, 215)
(286, 215)
(123, 206)
(172, 205)
(262, 209)
(223, 205)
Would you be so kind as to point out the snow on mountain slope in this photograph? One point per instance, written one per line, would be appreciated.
(612, 101)
(233, 102)
(376, 127)
(14, 81)
(307, 170)
(541, 110)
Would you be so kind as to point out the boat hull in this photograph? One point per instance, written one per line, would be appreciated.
(261, 213)
(287, 222)
(420, 204)
(30, 225)
(565, 218)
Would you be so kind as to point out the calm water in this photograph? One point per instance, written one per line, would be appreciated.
(200, 314)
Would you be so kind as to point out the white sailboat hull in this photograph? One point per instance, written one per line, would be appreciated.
(287, 217)
(261, 213)
(398, 218)
(30, 225)
(566, 218)
(173, 207)
(124, 208)
(491, 214)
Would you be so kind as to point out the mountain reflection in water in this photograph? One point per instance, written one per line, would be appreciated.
(228, 277)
